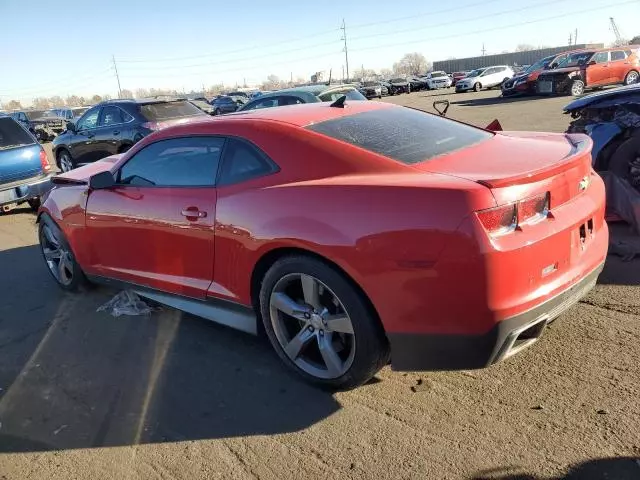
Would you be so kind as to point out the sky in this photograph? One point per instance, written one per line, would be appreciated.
(51, 48)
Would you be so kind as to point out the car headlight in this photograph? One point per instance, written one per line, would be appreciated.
(573, 74)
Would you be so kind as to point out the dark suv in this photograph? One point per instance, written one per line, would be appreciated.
(114, 126)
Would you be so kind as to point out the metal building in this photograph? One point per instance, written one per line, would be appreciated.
(512, 59)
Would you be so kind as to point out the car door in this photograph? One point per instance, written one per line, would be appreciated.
(598, 69)
(155, 227)
(82, 143)
(110, 131)
(618, 66)
(487, 79)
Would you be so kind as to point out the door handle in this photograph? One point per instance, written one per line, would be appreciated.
(116, 132)
(193, 212)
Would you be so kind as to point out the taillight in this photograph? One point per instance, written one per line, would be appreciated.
(499, 220)
(506, 218)
(44, 162)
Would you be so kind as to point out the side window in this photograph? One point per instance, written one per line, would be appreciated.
(89, 119)
(178, 162)
(288, 100)
(242, 161)
(23, 116)
(617, 55)
(601, 57)
(111, 115)
(266, 103)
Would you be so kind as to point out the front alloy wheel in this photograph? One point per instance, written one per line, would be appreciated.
(66, 164)
(577, 88)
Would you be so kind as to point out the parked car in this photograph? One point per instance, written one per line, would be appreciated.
(352, 243)
(225, 104)
(44, 125)
(417, 84)
(387, 89)
(371, 89)
(399, 85)
(438, 79)
(245, 96)
(525, 81)
(457, 76)
(24, 169)
(592, 68)
(306, 94)
(69, 114)
(488, 77)
(115, 126)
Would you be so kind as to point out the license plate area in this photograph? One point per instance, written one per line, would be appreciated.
(545, 87)
(8, 195)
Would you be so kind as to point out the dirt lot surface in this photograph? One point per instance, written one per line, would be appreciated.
(87, 396)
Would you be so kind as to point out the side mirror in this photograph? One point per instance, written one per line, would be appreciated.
(101, 181)
(71, 127)
(592, 62)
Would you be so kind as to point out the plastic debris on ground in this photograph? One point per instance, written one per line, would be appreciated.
(126, 302)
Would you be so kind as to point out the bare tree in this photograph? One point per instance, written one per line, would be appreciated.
(13, 105)
(272, 82)
(142, 93)
(524, 47)
(411, 64)
(126, 93)
(96, 99)
(386, 72)
(73, 101)
(56, 101)
(41, 103)
(635, 40)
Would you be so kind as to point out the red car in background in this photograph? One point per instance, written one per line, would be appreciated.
(458, 76)
(442, 246)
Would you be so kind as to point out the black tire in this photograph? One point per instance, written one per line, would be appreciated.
(632, 77)
(78, 279)
(34, 203)
(371, 346)
(64, 160)
(216, 112)
(577, 88)
(477, 87)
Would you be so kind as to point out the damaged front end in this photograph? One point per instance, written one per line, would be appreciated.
(612, 120)
(48, 129)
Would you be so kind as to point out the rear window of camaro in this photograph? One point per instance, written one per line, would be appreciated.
(403, 134)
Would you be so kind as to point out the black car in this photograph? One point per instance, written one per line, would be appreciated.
(399, 85)
(43, 125)
(305, 94)
(226, 104)
(417, 84)
(114, 126)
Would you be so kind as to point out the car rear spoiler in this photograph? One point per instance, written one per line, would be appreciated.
(67, 181)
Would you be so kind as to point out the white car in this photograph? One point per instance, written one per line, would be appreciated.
(437, 80)
(488, 77)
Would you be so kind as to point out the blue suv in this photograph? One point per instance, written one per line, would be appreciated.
(25, 173)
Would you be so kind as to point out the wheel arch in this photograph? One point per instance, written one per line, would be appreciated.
(272, 256)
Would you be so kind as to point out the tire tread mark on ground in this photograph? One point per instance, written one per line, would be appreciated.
(299, 451)
(626, 309)
(245, 466)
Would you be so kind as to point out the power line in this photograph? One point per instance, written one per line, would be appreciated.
(485, 30)
(244, 49)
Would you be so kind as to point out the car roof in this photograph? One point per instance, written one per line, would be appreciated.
(138, 101)
(299, 115)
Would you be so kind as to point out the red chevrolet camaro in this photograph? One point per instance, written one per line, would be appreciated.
(356, 234)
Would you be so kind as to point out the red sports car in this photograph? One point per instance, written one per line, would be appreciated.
(356, 234)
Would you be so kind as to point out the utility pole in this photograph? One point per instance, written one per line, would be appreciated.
(346, 52)
(570, 38)
(483, 50)
(575, 38)
(115, 67)
(342, 73)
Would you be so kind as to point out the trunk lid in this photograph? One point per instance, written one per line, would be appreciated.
(531, 162)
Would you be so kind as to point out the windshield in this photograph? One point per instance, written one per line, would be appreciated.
(79, 111)
(397, 80)
(51, 114)
(438, 74)
(34, 114)
(13, 135)
(370, 84)
(335, 93)
(403, 134)
(575, 59)
(539, 65)
(475, 73)
(167, 111)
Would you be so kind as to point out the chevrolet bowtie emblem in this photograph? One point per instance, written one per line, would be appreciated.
(584, 183)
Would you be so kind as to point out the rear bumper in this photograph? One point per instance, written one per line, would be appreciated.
(19, 192)
(460, 352)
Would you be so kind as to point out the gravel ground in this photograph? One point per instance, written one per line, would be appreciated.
(87, 396)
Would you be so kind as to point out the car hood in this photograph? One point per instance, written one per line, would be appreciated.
(561, 70)
(615, 96)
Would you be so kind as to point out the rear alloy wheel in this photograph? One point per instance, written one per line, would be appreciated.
(477, 87)
(577, 88)
(631, 78)
(58, 256)
(319, 325)
(65, 162)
